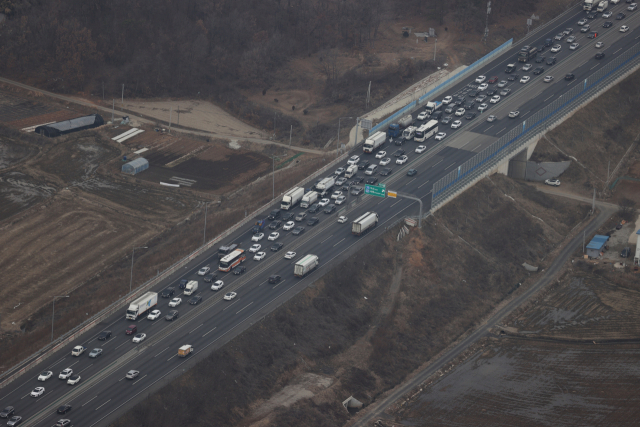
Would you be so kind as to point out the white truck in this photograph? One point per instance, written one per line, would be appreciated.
(588, 4)
(78, 350)
(291, 198)
(364, 223)
(374, 141)
(326, 184)
(351, 170)
(433, 106)
(307, 264)
(309, 199)
(603, 5)
(191, 287)
(409, 133)
(141, 305)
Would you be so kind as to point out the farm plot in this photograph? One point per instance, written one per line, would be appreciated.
(19, 191)
(14, 107)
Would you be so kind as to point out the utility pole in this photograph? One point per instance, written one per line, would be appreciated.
(170, 114)
(368, 95)
(338, 143)
(103, 91)
(204, 234)
(486, 24)
(122, 95)
(178, 114)
(435, 48)
(113, 106)
(593, 203)
(54, 311)
(290, 133)
(132, 255)
(274, 123)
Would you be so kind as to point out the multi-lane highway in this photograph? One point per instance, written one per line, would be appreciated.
(104, 393)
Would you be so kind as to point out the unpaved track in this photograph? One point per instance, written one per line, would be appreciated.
(606, 210)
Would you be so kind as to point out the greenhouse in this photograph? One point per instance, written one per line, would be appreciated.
(135, 166)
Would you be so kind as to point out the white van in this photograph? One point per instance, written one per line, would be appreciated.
(351, 171)
(371, 170)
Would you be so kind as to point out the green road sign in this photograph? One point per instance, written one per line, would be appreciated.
(375, 190)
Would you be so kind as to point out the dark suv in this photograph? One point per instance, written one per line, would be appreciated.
(275, 225)
(7, 412)
(183, 283)
(551, 60)
(209, 278)
(274, 214)
(274, 279)
(104, 335)
(313, 221)
(168, 292)
(314, 208)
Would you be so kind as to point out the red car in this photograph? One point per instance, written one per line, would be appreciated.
(493, 80)
(132, 329)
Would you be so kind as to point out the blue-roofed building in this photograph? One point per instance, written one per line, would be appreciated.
(596, 245)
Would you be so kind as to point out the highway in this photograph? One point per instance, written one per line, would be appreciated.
(103, 393)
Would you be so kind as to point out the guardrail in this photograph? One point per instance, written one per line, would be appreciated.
(514, 140)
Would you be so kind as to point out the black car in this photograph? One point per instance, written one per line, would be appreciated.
(209, 278)
(607, 24)
(513, 77)
(470, 116)
(541, 48)
(469, 105)
(64, 409)
(363, 164)
(277, 246)
(446, 120)
(551, 60)
(167, 293)
(239, 270)
(298, 231)
(345, 187)
(183, 283)
(492, 92)
(473, 93)
(172, 315)
(314, 208)
(7, 412)
(398, 153)
(288, 216)
(274, 279)
(411, 172)
(592, 35)
(459, 101)
(620, 16)
(450, 108)
(625, 252)
(274, 214)
(592, 15)
(371, 181)
(399, 141)
(569, 76)
(548, 42)
(356, 191)
(329, 209)
(357, 180)
(104, 335)
(195, 300)
(599, 55)
(313, 221)
(538, 71)
(385, 171)
(540, 59)
(275, 225)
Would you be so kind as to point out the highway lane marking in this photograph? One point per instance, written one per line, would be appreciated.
(525, 113)
(208, 332)
(389, 206)
(121, 345)
(411, 181)
(244, 307)
(487, 129)
(424, 183)
(477, 146)
(85, 369)
(139, 380)
(90, 400)
(108, 341)
(258, 286)
(25, 395)
(342, 240)
(172, 357)
(450, 165)
(326, 239)
(594, 67)
(618, 50)
(161, 352)
(502, 130)
(119, 380)
(202, 324)
(56, 363)
(103, 404)
(437, 163)
(73, 363)
(279, 284)
(549, 98)
(230, 305)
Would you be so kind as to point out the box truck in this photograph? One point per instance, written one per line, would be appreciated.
(326, 184)
(185, 350)
(291, 198)
(307, 264)
(364, 223)
(191, 287)
(141, 305)
(409, 133)
(351, 171)
(395, 129)
(603, 6)
(374, 141)
(309, 199)
(257, 227)
(432, 107)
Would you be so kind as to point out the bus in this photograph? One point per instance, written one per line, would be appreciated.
(527, 53)
(426, 131)
(232, 260)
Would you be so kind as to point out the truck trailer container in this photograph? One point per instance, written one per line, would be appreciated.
(374, 141)
(307, 264)
(291, 198)
(364, 223)
(309, 199)
(326, 184)
(141, 305)
(602, 6)
(185, 350)
(191, 287)
(351, 171)
(433, 106)
(395, 129)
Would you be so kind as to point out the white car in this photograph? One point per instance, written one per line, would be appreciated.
(37, 392)
(482, 107)
(456, 124)
(514, 114)
(571, 39)
(402, 160)
(492, 118)
(381, 154)
(574, 46)
(599, 45)
(73, 380)
(548, 79)
(525, 79)
(289, 226)
(607, 14)
(175, 302)
(423, 115)
(45, 375)
(65, 374)
(447, 100)
(483, 86)
(495, 99)
(259, 256)
(132, 374)
(582, 21)
(324, 202)
(289, 255)
(460, 112)
(624, 29)
(139, 338)
(353, 160)
(526, 67)
(257, 237)
(553, 182)
(340, 200)
(217, 285)
(154, 315)
(385, 161)
(481, 79)
(503, 83)
(336, 194)
(342, 219)
(273, 236)
(440, 136)
(556, 48)
(632, 7)
(203, 271)
(229, 296)
(421, 149)
(254, 248)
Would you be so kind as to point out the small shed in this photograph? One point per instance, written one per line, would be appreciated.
(135, 166)
(596, 245)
